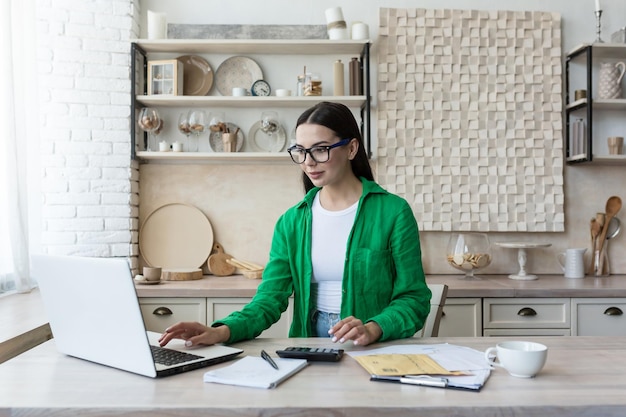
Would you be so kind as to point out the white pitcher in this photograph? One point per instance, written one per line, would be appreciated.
(572, 262)
(610, 85)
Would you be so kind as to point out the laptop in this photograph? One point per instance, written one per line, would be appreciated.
(94, 314)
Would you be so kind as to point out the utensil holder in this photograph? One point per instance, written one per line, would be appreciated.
(229, 140)
(601, 266)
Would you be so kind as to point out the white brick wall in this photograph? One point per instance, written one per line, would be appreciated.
(90, 185)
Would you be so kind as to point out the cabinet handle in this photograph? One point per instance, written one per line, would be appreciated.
(527, 311)
(162, 311)
(613, 311)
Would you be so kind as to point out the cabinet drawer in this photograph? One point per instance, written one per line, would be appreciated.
(159, 313)
(461, 317)
(526, 313)
(218, 308)
(598, 316)
(526, 332)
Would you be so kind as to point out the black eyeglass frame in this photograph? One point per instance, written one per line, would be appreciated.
(306, 151)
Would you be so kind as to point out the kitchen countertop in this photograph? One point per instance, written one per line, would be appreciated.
(499, 286)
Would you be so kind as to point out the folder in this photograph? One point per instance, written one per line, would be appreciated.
(440, 365)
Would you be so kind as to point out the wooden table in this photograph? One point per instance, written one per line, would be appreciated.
(23, 323)
(583, 376)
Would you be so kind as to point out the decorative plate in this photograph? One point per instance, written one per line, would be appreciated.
(267, 142)
(237, 71)
(197, 75)
(215, 138)
(176, 236)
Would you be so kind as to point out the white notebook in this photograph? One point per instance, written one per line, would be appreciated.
(254, 371)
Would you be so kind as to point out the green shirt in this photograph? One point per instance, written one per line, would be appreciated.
(383, 278)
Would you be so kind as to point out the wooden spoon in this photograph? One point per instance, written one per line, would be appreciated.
(613, 206)
(595, 231)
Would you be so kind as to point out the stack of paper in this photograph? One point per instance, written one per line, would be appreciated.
(253, 371)
(441, 365)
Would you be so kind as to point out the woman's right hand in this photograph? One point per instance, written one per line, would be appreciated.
(194, 333)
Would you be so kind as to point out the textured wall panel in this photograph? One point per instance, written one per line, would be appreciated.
(469, 117)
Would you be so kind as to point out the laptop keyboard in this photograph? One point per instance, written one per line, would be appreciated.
(170, 357)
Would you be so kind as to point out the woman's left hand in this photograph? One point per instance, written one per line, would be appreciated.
(353, 329)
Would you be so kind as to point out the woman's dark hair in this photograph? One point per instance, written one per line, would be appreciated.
(338, 118)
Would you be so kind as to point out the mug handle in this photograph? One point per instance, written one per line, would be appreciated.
(561, 258)
(621, 66)
(493, 362)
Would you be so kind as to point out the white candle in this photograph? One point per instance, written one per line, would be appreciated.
(598, 6)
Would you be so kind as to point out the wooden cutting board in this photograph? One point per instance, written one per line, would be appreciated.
(217, 262)
(182, 274)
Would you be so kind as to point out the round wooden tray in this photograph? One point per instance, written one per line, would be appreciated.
(176, 236)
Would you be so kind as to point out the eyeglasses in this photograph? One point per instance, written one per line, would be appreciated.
(318, 153)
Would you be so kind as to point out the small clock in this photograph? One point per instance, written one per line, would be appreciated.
(260, 88)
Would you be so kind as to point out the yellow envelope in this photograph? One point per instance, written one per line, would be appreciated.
(402, 364)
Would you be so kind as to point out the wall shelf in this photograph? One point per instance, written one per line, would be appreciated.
(252, 46)
(248, 101)
(586, 107)
(141, 48)
(217, 157)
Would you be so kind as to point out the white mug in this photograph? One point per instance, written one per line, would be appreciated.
(572, 262)
(282, 92)
(520, 359)
(239, 92)
(177, 146)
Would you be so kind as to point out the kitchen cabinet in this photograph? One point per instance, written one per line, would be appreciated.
(526, 316)
(461, 317)
(598, 317)
(160, 313)
(602, 117)
(221, 307)
(271, 50)
(496, 305)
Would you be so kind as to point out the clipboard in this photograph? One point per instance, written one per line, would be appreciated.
(438, 366)
(426, 381)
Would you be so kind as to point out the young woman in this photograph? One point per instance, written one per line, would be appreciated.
(349, 252)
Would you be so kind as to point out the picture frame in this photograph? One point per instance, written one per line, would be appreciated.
(165, 77)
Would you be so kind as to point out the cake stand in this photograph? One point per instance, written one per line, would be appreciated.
(522, 257)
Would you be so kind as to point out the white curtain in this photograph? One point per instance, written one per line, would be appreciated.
(19, 139)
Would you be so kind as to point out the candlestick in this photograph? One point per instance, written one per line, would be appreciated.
(598, 25)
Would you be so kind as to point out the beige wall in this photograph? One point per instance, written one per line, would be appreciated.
(246, 231)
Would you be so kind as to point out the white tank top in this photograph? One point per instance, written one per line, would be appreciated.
(328, 253)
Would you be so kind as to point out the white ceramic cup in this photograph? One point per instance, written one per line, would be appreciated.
(177, 146)
(239, 92)
(164, 146)
(572, 262)
(283, 92)
(337, 34)
(333, 14)
(151, 273)
(519, 358)
(360, 31)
